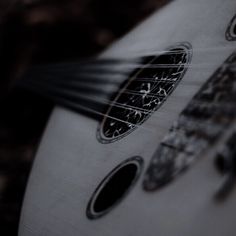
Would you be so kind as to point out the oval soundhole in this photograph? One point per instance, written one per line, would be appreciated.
(114, 187)
(144, 92)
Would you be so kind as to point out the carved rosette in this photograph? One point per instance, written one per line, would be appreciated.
(144, 92)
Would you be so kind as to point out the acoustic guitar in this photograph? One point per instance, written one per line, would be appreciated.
(142, 141)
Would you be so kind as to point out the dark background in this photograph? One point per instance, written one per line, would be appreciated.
(46, 31)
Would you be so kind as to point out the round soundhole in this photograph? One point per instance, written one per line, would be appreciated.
(114, 187)
(144, 92)
(231, 30)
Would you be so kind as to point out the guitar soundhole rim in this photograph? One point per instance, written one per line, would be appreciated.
(144, 92)
(231, 30)
(114, 187)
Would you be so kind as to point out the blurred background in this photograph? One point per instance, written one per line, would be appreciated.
(42, 32)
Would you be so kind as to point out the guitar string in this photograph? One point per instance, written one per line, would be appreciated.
(127, 91)
(65, 101)
(76, 106)
(93, 98)
(112, 69)
(63, 98)
(76, 82)
(74, 87)
(86, 85)
(117, 104)
(68, 94)
(102, 64)
(105, 63)
(78, 75)
(97, 98)
(87, 61)
(151, 51)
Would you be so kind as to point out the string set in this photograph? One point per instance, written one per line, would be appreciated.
(74, 84)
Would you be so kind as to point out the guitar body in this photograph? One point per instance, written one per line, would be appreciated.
(72, 163)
